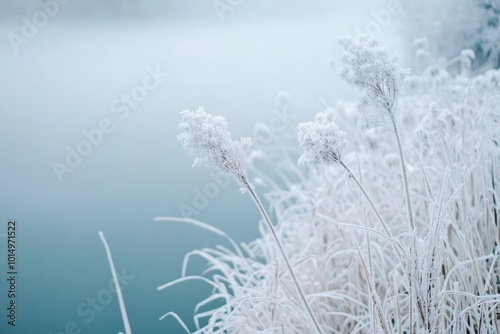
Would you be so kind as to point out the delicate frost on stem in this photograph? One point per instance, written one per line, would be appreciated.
(302, 295)
(379, 77)
(207, 138)
(322, 142)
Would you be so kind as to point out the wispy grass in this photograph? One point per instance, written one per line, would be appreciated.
(423, 211)
(116, 282)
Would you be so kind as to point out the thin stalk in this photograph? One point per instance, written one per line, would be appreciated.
(368, 243)
(379, 216)
(413, 249)
(405, 175)
(123, 310)
(373, 293)
(264, 214)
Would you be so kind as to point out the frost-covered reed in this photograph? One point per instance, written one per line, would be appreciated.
(397, 231)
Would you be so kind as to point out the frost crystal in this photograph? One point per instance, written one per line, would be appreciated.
(321, 140)
(207, 138)
(377, 75)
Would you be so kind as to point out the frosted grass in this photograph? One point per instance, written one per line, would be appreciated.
(439, 274)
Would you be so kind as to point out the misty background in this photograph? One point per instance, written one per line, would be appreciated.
(65, 80)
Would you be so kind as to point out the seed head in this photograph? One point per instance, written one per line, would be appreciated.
(321, 140)
(208, 139)
(369, 67)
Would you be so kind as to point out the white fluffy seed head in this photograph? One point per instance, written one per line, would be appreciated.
(321, 140)
(208, 139)
(376, 74)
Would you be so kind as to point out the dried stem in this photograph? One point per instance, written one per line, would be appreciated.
(121, 302)
(264, 214)
(377, 213)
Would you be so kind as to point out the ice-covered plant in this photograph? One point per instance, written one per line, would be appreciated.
(376, 74)
(207, 138)
(379, 77)
(321, 140)
(445, 279)
(116, 282)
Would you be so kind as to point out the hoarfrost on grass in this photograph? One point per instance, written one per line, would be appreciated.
(455, 182)
(376, 74)
(207, 138)
(321, 140)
